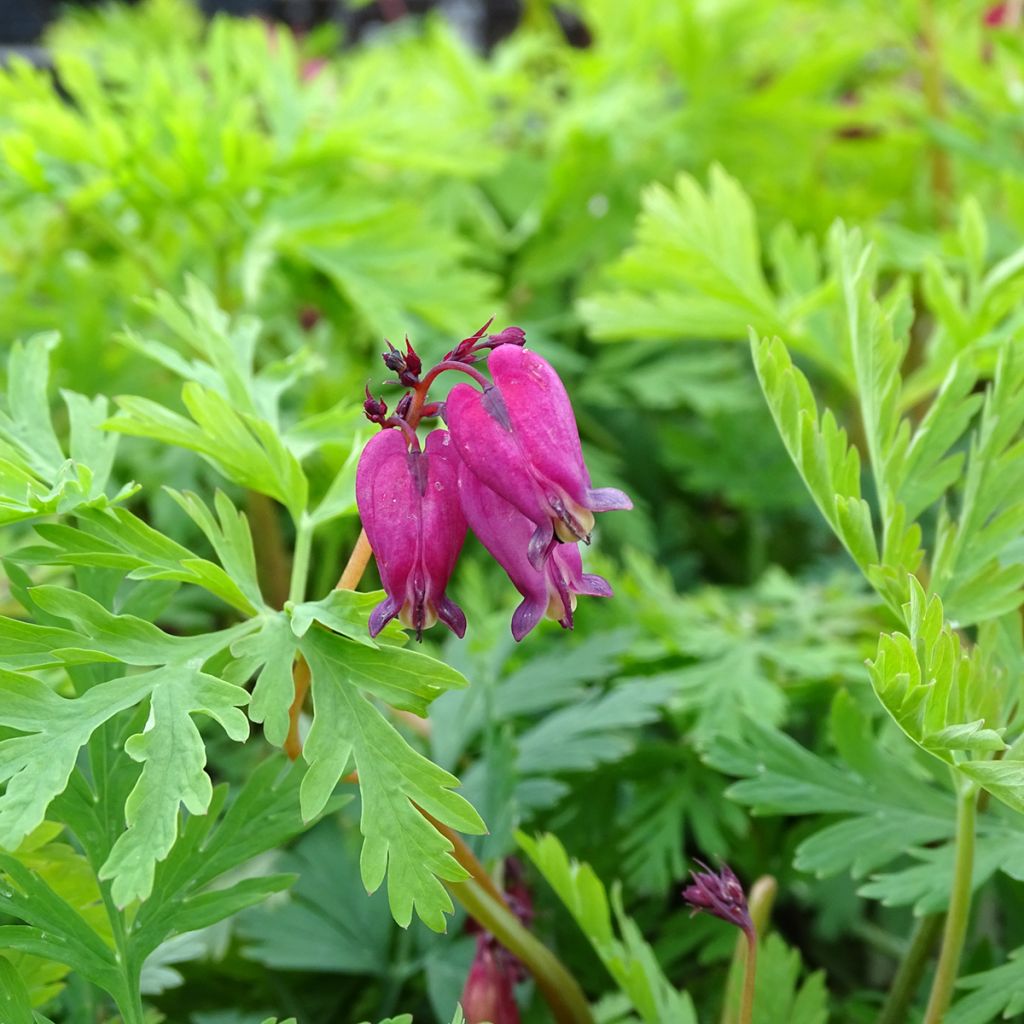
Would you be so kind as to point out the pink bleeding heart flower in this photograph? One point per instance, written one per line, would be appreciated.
(489, 994)
(548, 591)
(519, 437)
(409, 505)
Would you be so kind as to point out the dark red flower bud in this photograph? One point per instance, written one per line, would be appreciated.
(463, 352)
(402, 409)
(489, 994)
(507, 336)
(309, 317)
(720, 895)
(376, 409)
(412, 360)
(407, 366)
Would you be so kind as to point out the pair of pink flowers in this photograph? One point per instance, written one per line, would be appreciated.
(509, 467)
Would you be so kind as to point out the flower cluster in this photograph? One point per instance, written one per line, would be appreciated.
(721, 895)
(509, 467)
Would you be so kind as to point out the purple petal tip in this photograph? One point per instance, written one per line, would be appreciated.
(608, 499)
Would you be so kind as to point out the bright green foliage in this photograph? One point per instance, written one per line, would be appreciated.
(74, 673)
(779, 994)
(885, 811)
(932, 687)
(819, 447)
(59, 906)
(627, 957)
(276, 217)
(708, 279)
(979, 564)
(347, 668)
(35, 475)
(997, 994)
(392, 778)
(115, 538)
(15, 1003)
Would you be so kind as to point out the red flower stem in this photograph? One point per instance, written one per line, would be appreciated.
(480, 897)
(420, 393)
(407, 428)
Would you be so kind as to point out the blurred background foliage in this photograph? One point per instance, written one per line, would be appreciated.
(634, 203)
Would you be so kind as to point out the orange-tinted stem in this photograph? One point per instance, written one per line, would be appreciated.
(301, 677)
(357, 563)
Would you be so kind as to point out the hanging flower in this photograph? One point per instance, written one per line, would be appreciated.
(549, 591)
(408, 502)
(512, 465)
(519, 438)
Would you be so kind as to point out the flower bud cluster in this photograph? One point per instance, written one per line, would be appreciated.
(509, 467)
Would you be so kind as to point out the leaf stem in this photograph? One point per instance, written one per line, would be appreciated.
(897, 1004)
(300, 559)
(959, 907)
(559, 988)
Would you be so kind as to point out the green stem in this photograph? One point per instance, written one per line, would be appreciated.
(559, 988)
(959, 907)
(760, 902)
(749, 977)
(908, 976)
(300, 560)
(129, 999)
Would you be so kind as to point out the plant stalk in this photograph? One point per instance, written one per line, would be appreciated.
(749, 977)
(904, 985)
(760, 902)
(300, 560)
(271, 555)
(301, 679)
(959, 907)
(357, 563)
(129, 999)
(559, 988)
